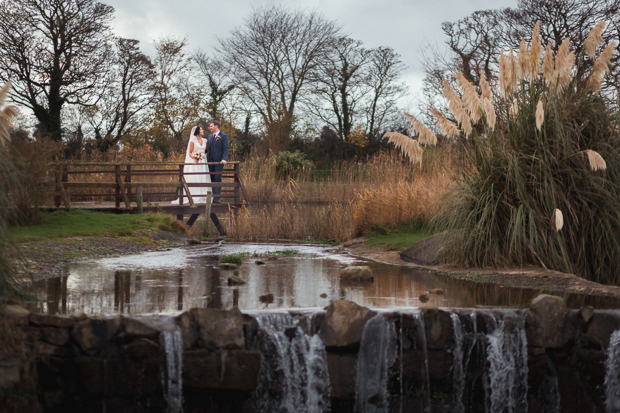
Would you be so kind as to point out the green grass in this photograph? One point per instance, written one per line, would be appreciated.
(279, 253)
(396, 238)
(231, 259)
(79, 222)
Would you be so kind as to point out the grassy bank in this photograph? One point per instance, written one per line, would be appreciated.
(81, 223)
(397, 237)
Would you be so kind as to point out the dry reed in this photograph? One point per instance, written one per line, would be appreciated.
(425, 135)
(535, 50)
(596, 161)
(540, 114)
(456, 107)
(471, 100)
(448, 128)
(485, 89)
(410, 147)
(601, 66)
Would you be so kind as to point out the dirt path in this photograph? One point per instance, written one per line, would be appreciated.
(525, 277)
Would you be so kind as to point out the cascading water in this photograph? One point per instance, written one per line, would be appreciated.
(507, 372)
(376, 355)
(458, 373)
(612, 374)
(549, 388)
(293, 374)
(172, 341)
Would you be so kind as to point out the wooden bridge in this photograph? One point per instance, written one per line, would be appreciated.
(150, 186)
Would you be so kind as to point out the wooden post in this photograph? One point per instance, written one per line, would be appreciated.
(181, 181)
(237, 184)
(117, 179)
(139, 199)
(208, 211)
(128, 179)
(58, 185)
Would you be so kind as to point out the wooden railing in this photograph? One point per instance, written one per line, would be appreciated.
(127, 182)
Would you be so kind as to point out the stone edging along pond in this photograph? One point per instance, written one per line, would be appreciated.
(406, 359)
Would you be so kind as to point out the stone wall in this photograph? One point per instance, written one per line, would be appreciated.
(118, 363)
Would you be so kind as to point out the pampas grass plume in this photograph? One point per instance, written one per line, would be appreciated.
(490, 112)
(514, 108)
(425, 135)
(596, 161)
(523, 61)
(448, 128)
(594, 39)
(558, 219)
(547, 67)
(601, 66)
(456, 107)
(471, 101)
(484, 86)
(410, 147)
(5, 115)
(535, 51)
(540, 114)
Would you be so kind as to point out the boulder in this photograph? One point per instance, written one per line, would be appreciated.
(601, 326)
(546, 323)
(439, 331)
(222, 369)
(586, 313)
(426, 251)
(136, 328)
(219, 328)
(236, 280)
(361, 273)
(92, 334)
(266, 298)
(189, 332)
(55, 335)
(16, 314)
(52, 320)
(344, 323)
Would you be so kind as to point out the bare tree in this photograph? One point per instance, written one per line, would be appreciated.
(342, 84)
(129, 92)
(219, 81)
(274, 53)
(177, 99)
(55, 52)
(385, 71)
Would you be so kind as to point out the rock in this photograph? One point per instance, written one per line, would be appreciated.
(219, 328)
(55, 335)
(136, 328)
(426, 251)
(439, 331)
(259, 262)
(342, 367)
(586, 313)
(223, 369)
(16, 314)
(361, 273)
(344, 323)
(438, 291)
(601, 326)
(52, 320)
(236, 280)
(323, 295)
(141, 348)
(227, 266)
(546, 322)
(185, 321)
(266, 298)
(94, 333)
(272, 259)
(193, 241)
(424, 298)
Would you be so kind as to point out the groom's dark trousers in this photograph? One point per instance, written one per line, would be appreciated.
(217, 152)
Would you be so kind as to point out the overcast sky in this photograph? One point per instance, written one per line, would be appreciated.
(405, 25)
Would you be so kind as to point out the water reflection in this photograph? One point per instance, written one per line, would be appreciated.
(181, 279)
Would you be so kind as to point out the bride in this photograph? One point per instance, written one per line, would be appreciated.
(196, 157)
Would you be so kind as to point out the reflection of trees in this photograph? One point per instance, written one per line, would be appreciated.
(122, 290)
(55, 294)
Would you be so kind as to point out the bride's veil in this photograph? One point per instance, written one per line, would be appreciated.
(189, 141)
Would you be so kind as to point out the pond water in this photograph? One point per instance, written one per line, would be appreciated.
(184, 278)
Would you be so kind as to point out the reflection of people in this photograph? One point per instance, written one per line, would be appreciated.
(195, 158)
(217, 151)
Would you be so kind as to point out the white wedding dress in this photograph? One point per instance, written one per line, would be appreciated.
(199, 194)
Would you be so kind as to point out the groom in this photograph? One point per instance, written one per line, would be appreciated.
(217, 147)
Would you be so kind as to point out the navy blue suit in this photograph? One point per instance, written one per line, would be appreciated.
(217, 151)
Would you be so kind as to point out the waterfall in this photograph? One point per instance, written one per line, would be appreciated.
(293, 374)
(549, 388)
(458, 372)
(418, 316)
(507, 372)
(376, 355)
(172, 341)
(612, 374)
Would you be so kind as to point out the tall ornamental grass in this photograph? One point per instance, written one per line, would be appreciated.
(541, 179)
(10, 182)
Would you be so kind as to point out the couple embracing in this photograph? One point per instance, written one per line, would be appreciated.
(201, 150)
